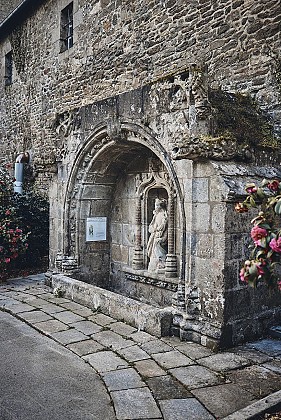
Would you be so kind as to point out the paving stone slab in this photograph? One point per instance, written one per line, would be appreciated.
(222, 400)
(105, 361)
(101, 319)
(172, 359)
(122, 379)
(17, 308)
(122, 328)
(252, 355)
(51, 326)
(268, 346)
(69, 336)
(195, 376)
(184, 409)
(35, 301)
(35, 316)
(68, 317)
(141, 337)
(135, 404)
(85, 347)
(133, 354)
(77, 308)
(112, 340)
(257, 380)
(193, 350)
(87, 327)
(149, 368)
(155, 346)
(50, 308)
(223, 362)
(166, 387)
(274, 365)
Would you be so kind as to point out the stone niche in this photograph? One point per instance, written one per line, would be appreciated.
(122, 185)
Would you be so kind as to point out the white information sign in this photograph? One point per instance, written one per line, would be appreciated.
(96, 229)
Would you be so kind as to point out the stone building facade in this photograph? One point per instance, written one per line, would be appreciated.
(122, 103)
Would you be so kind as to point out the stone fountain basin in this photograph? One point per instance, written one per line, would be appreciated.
(144, 317)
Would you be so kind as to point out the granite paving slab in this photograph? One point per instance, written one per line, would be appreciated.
(35, 316)
(87, 327)
(149, 368)
(51, 326)
(105, 361)
(50, 308)
(166, 387)
(112, 340)
(141, 337)
(69, 336)
(172, 359)
(35, 301)
(122, 379)
(184, 409)
(274, 365)
(18, 307)
(85, 347)
(193, 350)
(257, 380)
(155, 346)
(223, 362)
(68, 317)
(101, 319)
(132, 404)
(267, 346)
(133, 354)
(222, 400)
(122, 328)
(195, 376)
(252, 355)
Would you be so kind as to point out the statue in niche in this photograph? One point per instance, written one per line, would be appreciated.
(158, 230)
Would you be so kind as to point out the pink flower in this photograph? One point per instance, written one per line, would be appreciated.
(274, 185)
(275, 245)
(251, 189)
(258, 233)
(7, 260)
(279, 285)
(242, 275)
(7, 212)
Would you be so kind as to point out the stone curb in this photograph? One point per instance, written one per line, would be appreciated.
(253, 412)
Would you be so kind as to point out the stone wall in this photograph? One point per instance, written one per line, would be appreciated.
(118, 47)
(6, 7)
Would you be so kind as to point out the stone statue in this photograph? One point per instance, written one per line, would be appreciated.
(158, 230)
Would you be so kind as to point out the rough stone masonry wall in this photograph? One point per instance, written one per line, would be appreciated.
(119, 46)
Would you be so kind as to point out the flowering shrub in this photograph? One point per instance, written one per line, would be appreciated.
(13, 240)
(264, 262)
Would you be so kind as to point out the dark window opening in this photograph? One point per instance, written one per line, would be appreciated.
(66, 30)
(8, 68)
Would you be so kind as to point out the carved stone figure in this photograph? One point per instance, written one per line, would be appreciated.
(158, 230)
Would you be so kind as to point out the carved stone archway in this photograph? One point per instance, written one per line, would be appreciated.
(124, 135)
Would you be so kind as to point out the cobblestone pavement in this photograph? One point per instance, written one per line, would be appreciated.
(147, 377)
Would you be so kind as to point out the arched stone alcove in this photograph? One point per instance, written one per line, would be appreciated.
(119, 181)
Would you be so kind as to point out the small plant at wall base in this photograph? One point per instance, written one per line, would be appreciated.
(264, 263)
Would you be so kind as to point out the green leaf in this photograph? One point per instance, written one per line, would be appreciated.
(253, 271)
(252, 202)
(277, 207)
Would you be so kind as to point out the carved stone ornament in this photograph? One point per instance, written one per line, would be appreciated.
(216, 148)
(67, 122)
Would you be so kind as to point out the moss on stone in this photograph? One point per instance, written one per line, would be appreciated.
(238, 117)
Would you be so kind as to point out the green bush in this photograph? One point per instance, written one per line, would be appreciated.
(24, 228)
